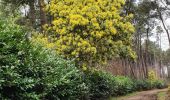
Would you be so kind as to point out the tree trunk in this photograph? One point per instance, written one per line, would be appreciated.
(32, 16)
(164, 25)
(168, 68)
(43, 19)
(146, 51)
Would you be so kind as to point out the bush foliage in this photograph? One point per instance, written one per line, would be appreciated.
(28, 71)
(32, 72)
(122, 85)
(103, 85)
(100, 84)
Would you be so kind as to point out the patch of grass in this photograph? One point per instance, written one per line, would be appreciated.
(161, 96)
(125, 96)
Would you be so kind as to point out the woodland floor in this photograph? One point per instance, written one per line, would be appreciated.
(145, 95)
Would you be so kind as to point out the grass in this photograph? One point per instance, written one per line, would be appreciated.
(161, 95)
(125, 96)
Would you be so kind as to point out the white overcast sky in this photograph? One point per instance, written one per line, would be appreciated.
(164, 38)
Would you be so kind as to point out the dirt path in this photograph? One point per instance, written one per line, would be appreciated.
(144, 95)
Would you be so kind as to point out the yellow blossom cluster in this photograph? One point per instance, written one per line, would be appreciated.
(42, 41)
(90, 30)
(152, 75)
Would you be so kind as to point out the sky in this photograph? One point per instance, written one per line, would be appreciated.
(165, 42)
(164, 38)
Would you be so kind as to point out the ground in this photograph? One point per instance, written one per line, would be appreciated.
(157, 94)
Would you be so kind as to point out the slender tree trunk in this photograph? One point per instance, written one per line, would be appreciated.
(141, 57)
(160, 59)
(168, 68)
(146, 51)
(124, 67)
(43, 19)
(32, 16)
(164, 25)
(131, 69)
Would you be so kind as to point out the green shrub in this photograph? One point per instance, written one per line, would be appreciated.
(142, 85)
(12, 83)
(104, 85)
(60, 78)
(122, 85)
(100, 84)
(30, 72)
(154, 82)
(11, 37)
(160, 84)
(59, 81)
(147, 84)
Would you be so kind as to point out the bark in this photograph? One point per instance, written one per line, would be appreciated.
(168, 68)
(124, 67)
(32, 16)
(146, 51)
(43, 19)
(132, 73)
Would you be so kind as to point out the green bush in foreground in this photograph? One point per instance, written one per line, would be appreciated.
(30, 72)
(62, 80)
(42, 76)
(100, 84)
(104, 85)
(122, 85)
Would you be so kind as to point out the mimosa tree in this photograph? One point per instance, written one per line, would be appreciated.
(90, 31)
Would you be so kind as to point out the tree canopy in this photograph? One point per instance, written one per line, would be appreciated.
(90, 31)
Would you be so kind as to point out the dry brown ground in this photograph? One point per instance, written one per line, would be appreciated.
(145, 95)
